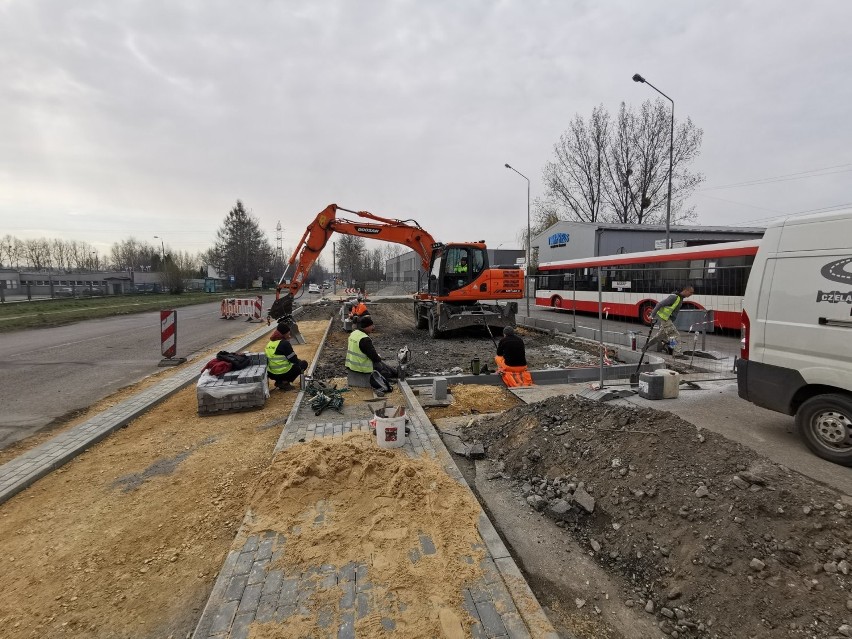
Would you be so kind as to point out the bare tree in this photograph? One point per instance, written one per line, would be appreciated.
(619, 173)
(574, 177)
(350, 257)
(37, 254)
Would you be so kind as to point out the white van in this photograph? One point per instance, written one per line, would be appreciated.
(797, 329)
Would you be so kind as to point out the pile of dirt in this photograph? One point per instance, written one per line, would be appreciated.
(346, 502)
(395, 328)
(705, 534)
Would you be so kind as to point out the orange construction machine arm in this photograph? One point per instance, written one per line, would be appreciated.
(318, 233)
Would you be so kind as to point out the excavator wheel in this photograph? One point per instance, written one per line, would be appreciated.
(420, 322)
(434, 332)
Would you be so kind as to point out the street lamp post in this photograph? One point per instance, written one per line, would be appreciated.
(639, 78)
(527, 265)
(162, 246)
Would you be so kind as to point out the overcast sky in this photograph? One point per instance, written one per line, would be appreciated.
(122, 118)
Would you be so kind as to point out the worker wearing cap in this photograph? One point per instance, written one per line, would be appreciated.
(461, 267)
(665, 312)
(359, 310)
(361, 355)
(282, 363)
(511, 360)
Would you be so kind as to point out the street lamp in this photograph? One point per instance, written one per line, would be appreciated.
(162, 246)
(527, 268)
(95, 258)
(639, 78)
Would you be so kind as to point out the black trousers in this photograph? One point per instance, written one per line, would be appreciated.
(290, 375)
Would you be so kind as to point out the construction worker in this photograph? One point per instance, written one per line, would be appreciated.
(511, 359)
(282, 364)
(361, 356)
(358, 311)
(665, 312)
(461, 267)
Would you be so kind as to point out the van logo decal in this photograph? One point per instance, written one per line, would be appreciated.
(834, 297)
(836, 271)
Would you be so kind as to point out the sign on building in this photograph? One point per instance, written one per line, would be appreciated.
(558, 239)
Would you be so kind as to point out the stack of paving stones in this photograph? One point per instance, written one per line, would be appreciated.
(246, 388)
(252, 588)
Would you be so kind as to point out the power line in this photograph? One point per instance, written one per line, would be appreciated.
(783, 178)
(824, 209)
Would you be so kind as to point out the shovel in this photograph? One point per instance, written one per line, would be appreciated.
(634, 377)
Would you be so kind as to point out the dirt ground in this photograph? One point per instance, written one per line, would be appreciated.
(700, 532)
(126, 539)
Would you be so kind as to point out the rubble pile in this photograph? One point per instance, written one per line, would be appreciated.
(703, 533)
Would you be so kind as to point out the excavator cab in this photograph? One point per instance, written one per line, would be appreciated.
(455, 266)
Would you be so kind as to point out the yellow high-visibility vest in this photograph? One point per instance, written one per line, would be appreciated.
(276, 364)
(355, 359)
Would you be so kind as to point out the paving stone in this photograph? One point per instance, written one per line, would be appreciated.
(480, 592)
(325, 616)
(490, 618)
(224, 616)
(250, 598)
(236, 586)
(272, 583)
(427, 545)
(244, 563)
(362, 604)
(515, 626)
(257, 574)
(266, 607)
(347, 599)
(347, 572)
(240, 627)
(346, 629)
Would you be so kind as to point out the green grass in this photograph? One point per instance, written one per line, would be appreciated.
(38, 313)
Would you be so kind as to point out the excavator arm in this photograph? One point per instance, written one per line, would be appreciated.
(318, 233)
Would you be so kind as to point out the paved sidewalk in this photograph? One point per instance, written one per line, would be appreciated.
(24, 471)
(250, 589)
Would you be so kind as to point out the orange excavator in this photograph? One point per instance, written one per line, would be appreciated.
(461, 289)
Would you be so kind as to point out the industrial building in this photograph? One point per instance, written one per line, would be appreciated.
(571, 240)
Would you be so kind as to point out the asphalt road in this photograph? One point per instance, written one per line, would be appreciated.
(48, 373)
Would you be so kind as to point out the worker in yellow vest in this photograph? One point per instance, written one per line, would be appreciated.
(282, 364)
(361, 355)
(665, 313)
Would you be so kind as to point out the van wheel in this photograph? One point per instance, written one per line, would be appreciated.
(645, 313)
(420, 322)
(825, 423)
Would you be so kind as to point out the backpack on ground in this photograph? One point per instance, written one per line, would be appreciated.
(238, 361)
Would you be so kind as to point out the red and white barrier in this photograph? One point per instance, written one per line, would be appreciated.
(168, 333)
(353, 291)
(248, 306)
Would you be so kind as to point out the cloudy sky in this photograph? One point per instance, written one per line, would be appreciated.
(127, 118)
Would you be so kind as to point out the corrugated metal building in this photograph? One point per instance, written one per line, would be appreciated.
(570, 240)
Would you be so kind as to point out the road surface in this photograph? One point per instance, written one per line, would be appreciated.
(49, 373)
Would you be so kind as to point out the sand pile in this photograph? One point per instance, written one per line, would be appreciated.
(402, 522)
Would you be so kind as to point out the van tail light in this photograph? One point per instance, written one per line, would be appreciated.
(745, 330)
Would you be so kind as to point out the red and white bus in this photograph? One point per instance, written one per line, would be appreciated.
(633, 283)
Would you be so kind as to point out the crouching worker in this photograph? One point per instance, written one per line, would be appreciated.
(362, 358)
(282, 364)
(512, 360)
(358, 311)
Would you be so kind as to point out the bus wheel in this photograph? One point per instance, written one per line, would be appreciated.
(556, 302)
(645, 313)
(825, 423)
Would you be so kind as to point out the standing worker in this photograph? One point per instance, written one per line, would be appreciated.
(362, 358)
(666, 312)
(512, 359)
(282, 364)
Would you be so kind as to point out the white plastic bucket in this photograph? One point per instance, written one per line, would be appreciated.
(390, 431)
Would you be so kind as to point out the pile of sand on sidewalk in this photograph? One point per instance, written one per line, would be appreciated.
(345, 500)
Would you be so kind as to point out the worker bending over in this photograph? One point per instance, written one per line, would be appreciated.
(362, 358)
(512, 359)
(282, 364)
(358, 311)
(665, 313)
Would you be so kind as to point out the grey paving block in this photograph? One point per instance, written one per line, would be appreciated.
(266, 607)
(347, 599)
(515, 626)
(272, 583)
(236, 586)
(480, 591)
(244, 563)
(240, 627)
(346, 629)
(223, 618)
(257, 574)
(250, 598)
(362, 604)
(491, 621)
(427, 545)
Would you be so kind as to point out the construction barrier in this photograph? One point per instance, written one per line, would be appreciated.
(168, 333)
(353, 291)
(238, 307)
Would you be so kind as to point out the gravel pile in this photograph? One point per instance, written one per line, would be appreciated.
(704, 534)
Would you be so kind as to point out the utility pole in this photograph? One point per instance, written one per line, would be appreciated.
(334, 267)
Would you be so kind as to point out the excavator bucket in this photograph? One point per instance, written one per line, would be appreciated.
(282, 311)
(295, 334)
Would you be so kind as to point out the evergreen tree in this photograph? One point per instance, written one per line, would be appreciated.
(242, 248)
